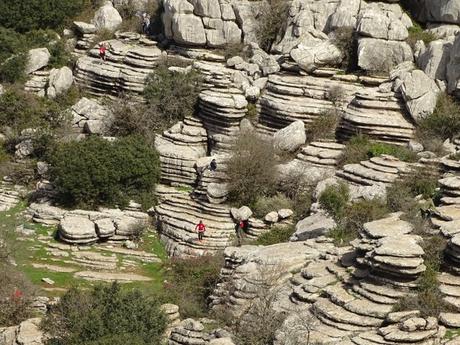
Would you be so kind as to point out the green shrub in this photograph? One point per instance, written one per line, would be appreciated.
(189, 283)
(353, 217)
(251, 169)
(12, 69)
(443, 124)
(172, 95)
(334, 199)
(360, 148)
(277, 234)
(421, 181)
(416, 33)
(24, 16)
(105, 315)
(265, 205)
(97, 172)
(270, 22)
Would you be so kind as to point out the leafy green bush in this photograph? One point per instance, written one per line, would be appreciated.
(172, 95)
(443, 124)
(12, 69)
(96, 172)
(24, 16)
(265, 205)
(189, 283)
(251, 169)
(270, 22)
(360, 148)
(105, 315)
(277, 234)
(334, 199)
(416, 33)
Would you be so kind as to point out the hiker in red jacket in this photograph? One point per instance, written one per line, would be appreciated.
(102, 50)
(200, 228)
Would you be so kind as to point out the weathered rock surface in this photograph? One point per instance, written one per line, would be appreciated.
(90, 116)
(291, 137)
(313, 226)
(60, 80)
(107, 17)
(38, 58)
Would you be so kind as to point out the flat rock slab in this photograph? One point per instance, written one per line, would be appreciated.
(111, 277)
(54, 268)
(450, 319)
(386, 227)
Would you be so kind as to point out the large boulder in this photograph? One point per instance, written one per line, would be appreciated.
(60, 81)
(378, 55)
(310, 58)
(107, 17)
(453, 67)
(38, 58)
(77, 229)
(420, 94)
(290, 138)
(383, 25)
(188, 29)
(313, 226)
(434, 58)
(439, 11)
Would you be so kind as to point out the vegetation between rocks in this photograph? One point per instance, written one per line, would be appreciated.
(417, 33)
(96, 172)
(270, 22)
(277, 234)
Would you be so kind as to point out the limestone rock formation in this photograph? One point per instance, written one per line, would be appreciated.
(313, 226)
(90, 116)
(38, 58)
(291, 137)
(107, 17)
(60, 80)
(188, 332)
(26, 333)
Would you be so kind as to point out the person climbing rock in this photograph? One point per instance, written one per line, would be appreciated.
(200, 228)
(145, 23)
(240, 229)
(102, 50)
(213, 165)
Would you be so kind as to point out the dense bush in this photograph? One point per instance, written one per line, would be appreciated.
(27, 15)
(443, 124)
(96, 172)
(251, 169)
(334, 199)
(360, 148)
(422, 181)
(344, 38)
(105, 315)
(172, 95)
(189, 283)
(270, 22)
(277, 234)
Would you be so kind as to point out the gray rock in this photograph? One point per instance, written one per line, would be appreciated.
(313, 226)
(38, 58)
(271, 217)
(291, 137)
(383, 25)
(285, 213)
(434, 58)
(222, 341)
(311, 57)
(378, 55)
(420, 94)
(242, 213)
(105, 227)
(107, 17)
(29, 333)
(60, 81)
(24, 149)
(453, 67)
(130, 244)
(85, 28)
(77, 229)
(188, 29)
(415, 146)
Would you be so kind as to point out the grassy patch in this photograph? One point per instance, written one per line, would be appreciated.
(416, 33)
(278, 234)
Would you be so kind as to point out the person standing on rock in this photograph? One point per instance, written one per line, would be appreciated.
(145, 23)
(200, 228)
(240, 227)
(102, 50)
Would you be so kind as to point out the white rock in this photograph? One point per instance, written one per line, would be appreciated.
(38, 58)
(60, 81)
(107, 17)
(313, 226)
(271, 217)
(291, 137)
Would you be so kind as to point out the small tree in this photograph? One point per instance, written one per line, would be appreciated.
(270, 22)
(251, 169)
(105, 315)
(172, 95)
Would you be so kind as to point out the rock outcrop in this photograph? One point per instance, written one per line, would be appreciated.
(90, 116)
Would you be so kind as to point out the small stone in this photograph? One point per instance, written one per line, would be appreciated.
(272, 217)
(48, 281)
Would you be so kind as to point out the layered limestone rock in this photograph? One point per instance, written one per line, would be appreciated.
(172, 314)
(188, 332)
(369, 179)
(27, 332)
(177, 216)
(379, 115)
(90, 116)
(86, 34)
(10, 195)
(453, 253)
(82, 227)
(211, 23)
(128, 63)
(37, 83)
(179, 148)
(221, 112)
(249, 269)
(290, 98)
(450, 190)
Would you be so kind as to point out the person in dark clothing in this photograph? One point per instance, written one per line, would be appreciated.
(213, 165)
(200, 228)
